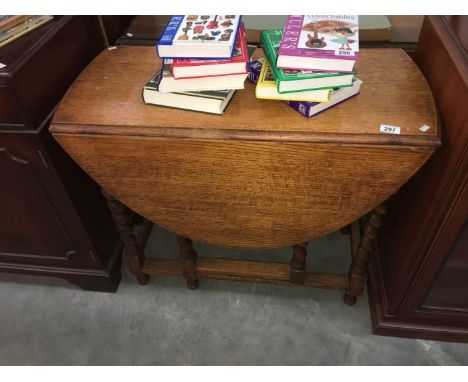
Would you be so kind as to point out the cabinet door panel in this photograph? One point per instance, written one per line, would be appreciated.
(36, 226)
(450, 287)
(29, 225)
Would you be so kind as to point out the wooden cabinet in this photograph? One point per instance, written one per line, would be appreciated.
(53, 217)
(419, 277)
(450, 288)
(33, 225)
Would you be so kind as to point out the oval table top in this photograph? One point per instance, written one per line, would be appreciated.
(106, 99)
(259, 176)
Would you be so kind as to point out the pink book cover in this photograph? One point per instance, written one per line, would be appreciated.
(325, 36)
(240, 54)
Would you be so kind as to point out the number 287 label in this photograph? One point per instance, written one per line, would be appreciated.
(389, 129)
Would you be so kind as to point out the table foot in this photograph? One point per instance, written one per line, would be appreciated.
(143, 279)
(297, 268)
(135, 257)
(357, 274)
(349, 300)
(192, 284)
(189, 261)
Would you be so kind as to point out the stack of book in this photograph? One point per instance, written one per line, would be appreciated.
(12, 27)
(204, 62)
(310, 64)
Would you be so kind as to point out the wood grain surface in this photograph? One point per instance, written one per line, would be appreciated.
(244, 270)
(106, 99)
(244, 193)
(260, 176)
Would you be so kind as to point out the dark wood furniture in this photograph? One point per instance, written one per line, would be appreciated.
(53, 219)
(419, 277)
(260, 176)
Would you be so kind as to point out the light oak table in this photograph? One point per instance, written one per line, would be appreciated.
(259, 176)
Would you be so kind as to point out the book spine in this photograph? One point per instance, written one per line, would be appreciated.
(171, 30)
(253, 77)
(159, 76)
(32, 21)
(302, 107)
(269, 48)
(270, 54)
(291, 35)
(254, 68)
(12, 21)
(234, 43)
(305, 108)
(22, 31)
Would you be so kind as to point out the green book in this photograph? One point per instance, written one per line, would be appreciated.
(289, 80)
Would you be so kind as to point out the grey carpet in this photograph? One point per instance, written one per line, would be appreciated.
(46, 321)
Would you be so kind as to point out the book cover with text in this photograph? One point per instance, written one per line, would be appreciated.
(310, 80)
(321, 36)
(199, 36)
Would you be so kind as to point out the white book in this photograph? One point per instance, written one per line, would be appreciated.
(214, 102)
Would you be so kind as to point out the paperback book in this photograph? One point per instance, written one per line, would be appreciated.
(312, 42)
(289, 81)
(266, 89)
(167, 83)
(309, 109)
(189, 68)
(199, 36)
(213, 102)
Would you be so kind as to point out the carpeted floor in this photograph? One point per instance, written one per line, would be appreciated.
(46, 321)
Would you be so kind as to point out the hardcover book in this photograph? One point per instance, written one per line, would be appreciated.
(189, 68)
(199, 36)
(312, 42)
(167, 82)
(255, 67)
(288, 81)
(309, 109)
(266, 89)
(213, 102)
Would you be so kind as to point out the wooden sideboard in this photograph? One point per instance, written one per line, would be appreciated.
(53, 218)
(419, 276)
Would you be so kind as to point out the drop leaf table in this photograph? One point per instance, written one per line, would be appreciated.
(259, 176)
